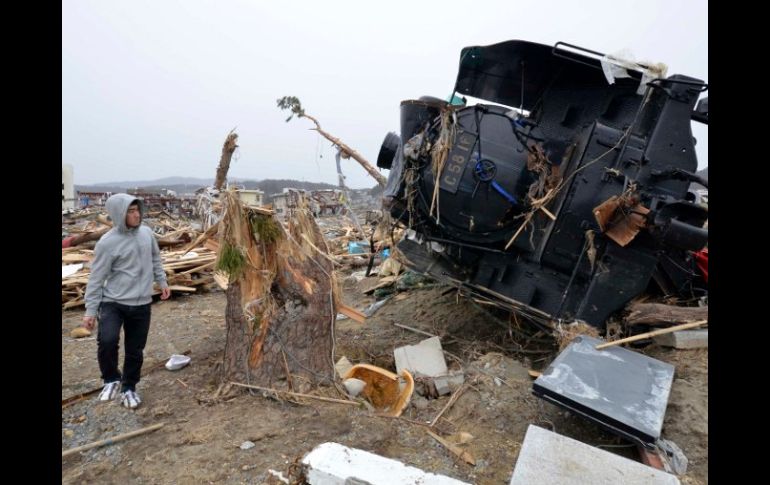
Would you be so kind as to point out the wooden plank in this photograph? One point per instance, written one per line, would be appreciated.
(351, 313)
(73, 304)
(184, 289)
(68, 282)
(199, 268)
(76, 257)
(459, 452)
(448, 405)
(384, 282)
(189, 264)
(645, 335)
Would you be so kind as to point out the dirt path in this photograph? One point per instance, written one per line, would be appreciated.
(201, 441)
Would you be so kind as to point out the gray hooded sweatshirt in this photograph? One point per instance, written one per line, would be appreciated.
(126, 261)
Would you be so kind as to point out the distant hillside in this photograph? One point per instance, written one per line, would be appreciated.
(200, 182)
(188, 185)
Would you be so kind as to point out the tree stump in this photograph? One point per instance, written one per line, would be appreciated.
(281, 305)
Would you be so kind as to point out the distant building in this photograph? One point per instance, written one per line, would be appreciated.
(89, 199)
(67, 187)
(251, 197)
(362, 199)
(329, 201)
(290, 199)
(165, 200)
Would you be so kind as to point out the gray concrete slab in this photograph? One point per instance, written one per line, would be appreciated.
(549, 458)
(684, 339)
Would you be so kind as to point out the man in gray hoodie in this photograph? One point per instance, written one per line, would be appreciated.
(119, 293)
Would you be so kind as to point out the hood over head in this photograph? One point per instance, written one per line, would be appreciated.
(117, 207)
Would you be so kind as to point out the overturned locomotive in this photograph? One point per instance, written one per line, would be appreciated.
(566, 194)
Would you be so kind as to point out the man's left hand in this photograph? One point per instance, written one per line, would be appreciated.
(165, 293)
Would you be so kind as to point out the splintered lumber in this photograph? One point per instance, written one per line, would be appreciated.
(448, 405)
(89, 236)
(182, 273)
(112, 440)
(73, 303)
(383, 282)
(645, 335)
(351, 313)
(184, 289)
(462, 454)
(202, 238)
(81, 257)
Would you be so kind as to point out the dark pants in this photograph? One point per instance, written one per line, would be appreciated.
(136, 325)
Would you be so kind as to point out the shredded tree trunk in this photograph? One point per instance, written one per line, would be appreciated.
(280, 305)
(661, 314)
(224, 162)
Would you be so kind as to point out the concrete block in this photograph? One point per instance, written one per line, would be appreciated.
(550, 458)
(426, 359)
(448, 383)
(335, 464)
(684, 339)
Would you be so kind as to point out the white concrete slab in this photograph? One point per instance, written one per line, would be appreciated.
(426, 359)
(335, 464)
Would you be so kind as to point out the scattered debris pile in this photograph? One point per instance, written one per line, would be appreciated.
(186, 272)
(530, 223)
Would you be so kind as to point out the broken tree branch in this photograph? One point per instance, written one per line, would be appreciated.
(416, 330)
(293, 103)
(112, 440)
(297, 394)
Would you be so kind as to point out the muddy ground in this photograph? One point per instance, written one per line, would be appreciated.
(201, 440)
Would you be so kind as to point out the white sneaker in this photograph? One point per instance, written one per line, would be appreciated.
(130, 399)
(110, 391)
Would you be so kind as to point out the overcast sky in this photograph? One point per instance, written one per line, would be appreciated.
(150, 89)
